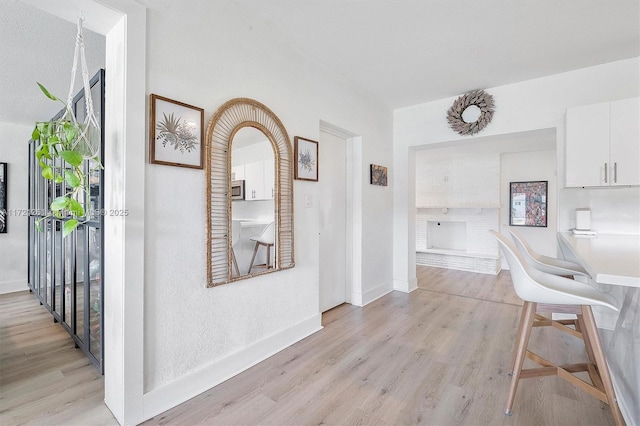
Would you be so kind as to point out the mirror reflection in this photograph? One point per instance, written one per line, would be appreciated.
(253, 208)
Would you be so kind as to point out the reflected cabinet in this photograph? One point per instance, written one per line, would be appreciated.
(66, 274)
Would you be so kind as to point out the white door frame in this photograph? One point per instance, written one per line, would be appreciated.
(354, 180)
(123, 23)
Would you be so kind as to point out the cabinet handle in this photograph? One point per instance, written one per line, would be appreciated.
(615, 172)
(605, 173)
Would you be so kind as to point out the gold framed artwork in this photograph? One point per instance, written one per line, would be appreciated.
(378, 175)
(306, 159)
(176, 133)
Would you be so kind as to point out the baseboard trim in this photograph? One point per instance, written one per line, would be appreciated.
(406, 286)
(172, 394)
(13, 286)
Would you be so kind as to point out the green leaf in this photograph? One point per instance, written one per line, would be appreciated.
(60, 203)
(71, 157)
(72, 179)
(47, 172)
(69, 226)
(76, 208)
(38, 226)
(58, 178)
(46, 92)
(70, 131)
(35, 135)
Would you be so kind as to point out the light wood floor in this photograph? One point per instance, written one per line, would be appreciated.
(437, 356)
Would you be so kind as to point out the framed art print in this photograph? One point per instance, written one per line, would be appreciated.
(378, 175)
(306, 159)
(176, 133)
(528, 203)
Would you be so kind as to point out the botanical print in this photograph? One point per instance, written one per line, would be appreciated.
(306, 160)
(378, 175)
(177, 133)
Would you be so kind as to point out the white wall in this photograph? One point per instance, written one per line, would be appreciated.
(195, 336)
(529, 105)
(531, 166)
(13, 245)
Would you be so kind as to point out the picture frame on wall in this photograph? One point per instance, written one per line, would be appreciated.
(528, 203)
(176, 133)
(378, 175)
(306, 159)
(3, 198)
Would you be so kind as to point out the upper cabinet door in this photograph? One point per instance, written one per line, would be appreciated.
(625, 142)
(587, 145)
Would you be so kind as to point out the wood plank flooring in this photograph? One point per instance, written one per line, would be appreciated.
(437, 356)
(44, 379)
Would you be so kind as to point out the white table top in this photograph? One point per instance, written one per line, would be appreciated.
(610, 259)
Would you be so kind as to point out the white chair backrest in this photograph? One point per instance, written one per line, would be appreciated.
(269, 234)
(545, 263)
(533, 285)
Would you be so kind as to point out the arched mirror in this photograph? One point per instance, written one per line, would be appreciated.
(249, 193)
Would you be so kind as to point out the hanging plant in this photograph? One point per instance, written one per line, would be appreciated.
(64, 145)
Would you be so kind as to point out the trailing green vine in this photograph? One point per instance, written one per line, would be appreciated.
(58, 139)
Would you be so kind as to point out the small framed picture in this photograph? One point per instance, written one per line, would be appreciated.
(306, 159)
(3, 198)
(176, 133)
(528, 203)
(378, 175)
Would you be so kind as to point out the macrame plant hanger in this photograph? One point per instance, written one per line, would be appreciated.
(88, 141)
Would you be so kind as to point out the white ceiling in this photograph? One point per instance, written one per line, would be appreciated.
(407, 52)
(38, 47)
(403, 52)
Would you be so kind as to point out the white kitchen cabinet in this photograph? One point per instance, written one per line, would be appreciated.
(602, 144)
(254, 181)
(269, 180)
(259, 180)
(237, 172)
(625, 142)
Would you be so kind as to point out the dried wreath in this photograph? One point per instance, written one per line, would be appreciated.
(480, 99)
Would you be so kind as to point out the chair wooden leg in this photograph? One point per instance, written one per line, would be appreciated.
(521, 350)
(268, 256)
(235, 262)
(253, 258)
(515, 347)
(591, 330)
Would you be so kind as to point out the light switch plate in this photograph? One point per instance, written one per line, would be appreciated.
(308, 200)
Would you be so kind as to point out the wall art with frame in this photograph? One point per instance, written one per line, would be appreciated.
(3, 198)
(306, 159)
(528, 203)
(378, 175)
(176, 133)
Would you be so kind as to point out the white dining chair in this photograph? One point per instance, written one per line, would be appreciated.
(544, 263)
(544, 292)
(266, 239)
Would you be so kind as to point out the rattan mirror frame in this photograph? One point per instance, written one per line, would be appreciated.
(225, 123)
